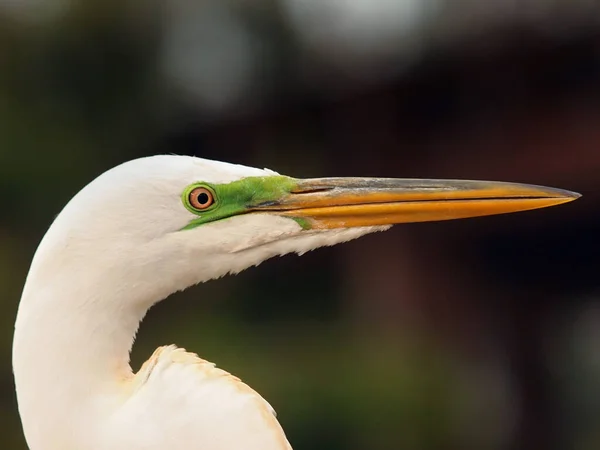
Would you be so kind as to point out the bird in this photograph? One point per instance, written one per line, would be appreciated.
(156, 225)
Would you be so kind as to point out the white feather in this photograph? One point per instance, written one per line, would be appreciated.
(113, 252)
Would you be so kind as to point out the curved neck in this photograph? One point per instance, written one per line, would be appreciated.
(70, 357)
(88, 341)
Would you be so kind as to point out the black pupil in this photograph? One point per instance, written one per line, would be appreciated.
(203, 198)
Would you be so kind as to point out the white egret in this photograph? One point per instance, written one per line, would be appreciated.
(157, 225)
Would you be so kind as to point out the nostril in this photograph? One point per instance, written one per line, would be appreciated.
(312, 190)
(268, 203)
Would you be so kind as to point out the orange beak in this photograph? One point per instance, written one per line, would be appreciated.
(325, 203)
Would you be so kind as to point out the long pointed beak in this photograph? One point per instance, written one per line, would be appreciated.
(325, 203)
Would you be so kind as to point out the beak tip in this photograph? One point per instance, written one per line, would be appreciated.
(560, 194)
(571, 195)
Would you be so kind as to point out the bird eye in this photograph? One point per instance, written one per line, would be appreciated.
(201, 198)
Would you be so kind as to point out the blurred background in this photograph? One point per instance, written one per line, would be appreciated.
(474, 334)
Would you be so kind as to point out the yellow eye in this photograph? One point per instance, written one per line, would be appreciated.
(201, 198)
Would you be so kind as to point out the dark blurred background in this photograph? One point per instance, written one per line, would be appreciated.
(474, 334)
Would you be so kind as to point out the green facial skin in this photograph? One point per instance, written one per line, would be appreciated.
(240, 197)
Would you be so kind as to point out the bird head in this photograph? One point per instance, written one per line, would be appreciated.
(167, 222)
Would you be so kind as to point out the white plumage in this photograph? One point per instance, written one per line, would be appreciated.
(113, 252)
(119, 246)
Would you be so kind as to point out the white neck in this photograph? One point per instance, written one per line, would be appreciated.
(73, 337)
(70, 362)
